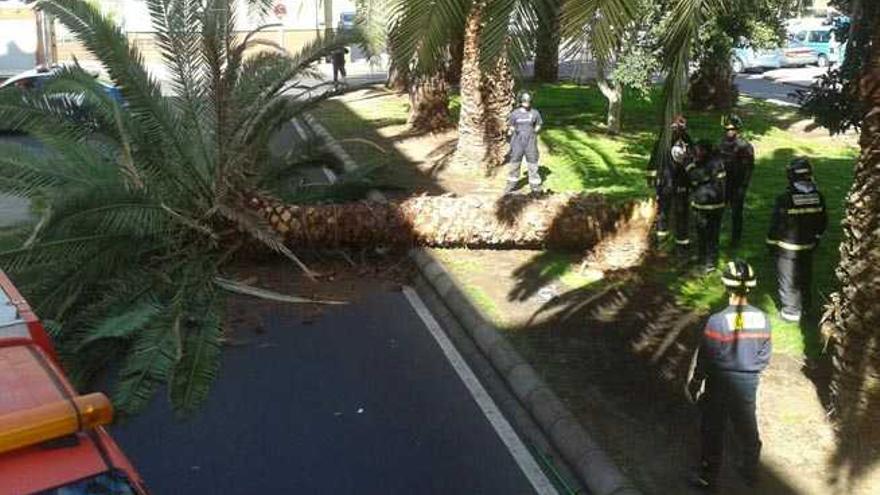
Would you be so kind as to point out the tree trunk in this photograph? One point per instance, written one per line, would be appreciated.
(397, 80)
(547, 46)
(453, 69)
(429, 102)
(613, 92)
(852, 318)
(518, 221)
(486, 101)
(712, 86)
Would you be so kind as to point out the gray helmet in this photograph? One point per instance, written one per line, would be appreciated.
(525, 97)
(799, 170)
(733, 122)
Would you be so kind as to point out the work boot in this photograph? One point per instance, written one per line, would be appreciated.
(509, 188)
(537, 191)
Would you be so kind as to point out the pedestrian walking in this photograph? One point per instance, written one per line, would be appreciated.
(798, 222)
(708, 183)
(739, 162)
(524, 124)
(337, 58)
(735, 347)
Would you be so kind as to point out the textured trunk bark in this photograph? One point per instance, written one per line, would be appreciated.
(486, 101)
(852, 318)
(429, 102)
(613, 92)
(547, 46)
(559, 221)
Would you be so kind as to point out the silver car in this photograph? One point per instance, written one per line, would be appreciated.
(793, 54)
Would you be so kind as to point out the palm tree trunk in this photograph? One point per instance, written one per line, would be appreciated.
(852, 319)
(613, 92)
(486, 100)
(547, 46)
(429, 102)
(559, 221)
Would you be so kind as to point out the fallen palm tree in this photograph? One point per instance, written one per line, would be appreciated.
(562, 221)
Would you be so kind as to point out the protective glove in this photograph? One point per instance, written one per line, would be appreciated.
(694, 390)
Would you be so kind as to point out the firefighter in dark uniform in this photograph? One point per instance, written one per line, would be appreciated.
(708, 183)
(524, 124)
(799, 220)
(739, 162)
(668, 177)
(734, 348)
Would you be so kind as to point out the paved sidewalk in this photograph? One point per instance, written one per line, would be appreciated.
(802, 77)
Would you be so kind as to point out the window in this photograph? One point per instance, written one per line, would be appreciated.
(820, 36)
(801, 36)
(109, 483)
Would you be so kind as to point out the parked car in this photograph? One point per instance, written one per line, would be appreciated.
(52, 440)
(822, 39)
(37, 79)
(793, 54)
(346, 21)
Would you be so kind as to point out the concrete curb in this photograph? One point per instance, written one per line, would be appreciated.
(583, 454)
(585, 457)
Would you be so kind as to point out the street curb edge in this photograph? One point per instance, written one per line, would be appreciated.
(582, 453)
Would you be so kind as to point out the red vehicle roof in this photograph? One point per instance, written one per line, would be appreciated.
(30, 377)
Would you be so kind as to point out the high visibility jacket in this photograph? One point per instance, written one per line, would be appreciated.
(799, 218)
(708, 183)
(739, 162)
(735, 340)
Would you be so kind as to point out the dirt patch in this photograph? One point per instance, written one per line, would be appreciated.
(617, 350)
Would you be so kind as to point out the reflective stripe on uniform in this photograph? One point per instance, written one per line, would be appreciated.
(791, 247)
(747, 283)
(722, 175)
(730, 337)
(682, 242)
(715, 206)
(690, 166)
(662, 233)
(651, 173)
(804, 211)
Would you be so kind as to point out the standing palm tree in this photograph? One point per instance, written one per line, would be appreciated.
(852, 318)
(146, 205)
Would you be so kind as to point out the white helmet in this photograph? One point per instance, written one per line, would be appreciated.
(679, 152)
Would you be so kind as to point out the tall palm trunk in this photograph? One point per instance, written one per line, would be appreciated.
(852, 318)
(561, 221)
(612, 90)
(429, 102)
(547, 45)
(486, 100)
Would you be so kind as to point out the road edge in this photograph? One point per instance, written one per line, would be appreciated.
(578, 448)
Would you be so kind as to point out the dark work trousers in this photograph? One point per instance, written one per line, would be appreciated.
(523, 145)
(665, 201)
(737, 202)
(794, 274)
(708, 224)
(338, 70)
(729, 395)
(682, 210)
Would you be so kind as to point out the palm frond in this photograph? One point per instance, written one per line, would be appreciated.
(193, 374)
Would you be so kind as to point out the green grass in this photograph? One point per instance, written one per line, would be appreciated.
(580, 156)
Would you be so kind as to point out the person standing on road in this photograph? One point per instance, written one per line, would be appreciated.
(708, 183)
(734, 348)
(524, 124)
(798, 222)
(739, 162)
(337, 57)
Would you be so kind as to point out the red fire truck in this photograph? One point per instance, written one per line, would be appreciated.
(52, 441)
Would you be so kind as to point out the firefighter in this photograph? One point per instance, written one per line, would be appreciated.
(708, 181)
(739, 162)
(524, 124)
(673, 188)
(734, 348)
(798, 222)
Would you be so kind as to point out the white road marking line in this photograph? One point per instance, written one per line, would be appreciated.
(502, 427)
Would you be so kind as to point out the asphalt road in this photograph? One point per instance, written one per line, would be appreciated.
(756, 86)
(362, 400)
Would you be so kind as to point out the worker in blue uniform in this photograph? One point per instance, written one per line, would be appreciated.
(734, 348)
(523, 127)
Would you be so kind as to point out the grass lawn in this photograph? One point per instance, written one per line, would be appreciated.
(579, 156)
